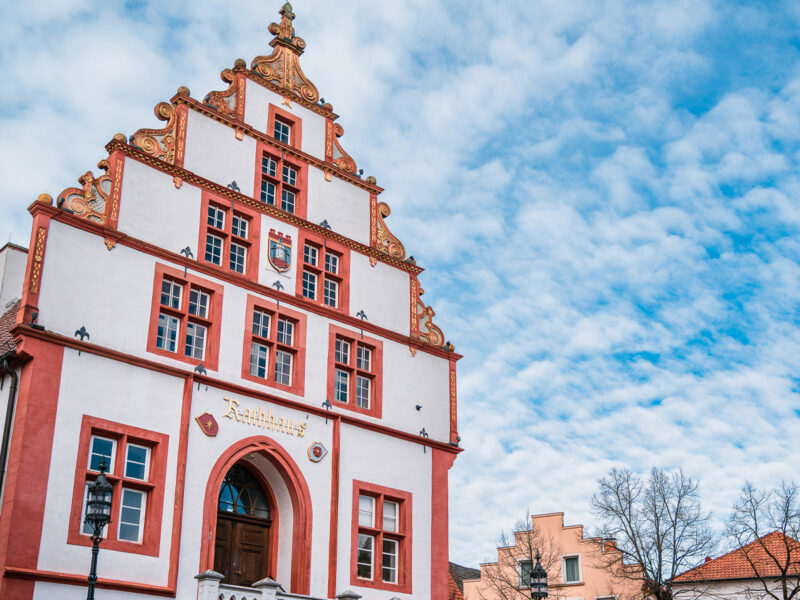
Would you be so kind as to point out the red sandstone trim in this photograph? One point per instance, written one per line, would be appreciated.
(376, 407)
(322, 244)
(440, 464)
(32, 575)
(253, 241)
(333, 539)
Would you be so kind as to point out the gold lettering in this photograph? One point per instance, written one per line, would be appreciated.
(261, 418)
(301, 429)
(279, 426)
(232, 413)
(270, 419)
(246, 415)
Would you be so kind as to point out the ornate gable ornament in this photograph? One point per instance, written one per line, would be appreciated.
(282, 67)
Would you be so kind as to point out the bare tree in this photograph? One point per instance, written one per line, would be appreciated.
(657, 524)
(765, 527)
(503, 580)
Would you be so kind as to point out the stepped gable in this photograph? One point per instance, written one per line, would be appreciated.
(738, 564)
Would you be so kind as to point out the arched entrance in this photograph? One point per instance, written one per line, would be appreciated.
(244, 520)
(295, 541)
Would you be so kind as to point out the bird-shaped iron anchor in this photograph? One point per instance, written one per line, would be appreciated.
(363, 316)
(200, 370)
(327, 406)
(187, 252)
(424, 434)
(278, 286)
(82, 333)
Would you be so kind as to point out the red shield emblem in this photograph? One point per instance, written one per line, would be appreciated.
(208, 424)
(316, 452)
(280, 251)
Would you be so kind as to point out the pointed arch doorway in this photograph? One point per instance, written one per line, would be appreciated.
(245, 532)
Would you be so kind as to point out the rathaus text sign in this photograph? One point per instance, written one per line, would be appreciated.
(258, 417)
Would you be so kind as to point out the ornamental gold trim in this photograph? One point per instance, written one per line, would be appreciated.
(385, 241)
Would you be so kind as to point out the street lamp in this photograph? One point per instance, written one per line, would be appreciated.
(98, 515)
(538, 580)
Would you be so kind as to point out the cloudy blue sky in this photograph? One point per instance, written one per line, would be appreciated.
(604, 195)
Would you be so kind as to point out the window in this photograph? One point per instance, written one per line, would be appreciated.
(355, 371)
(284, 127)
(572, 570)
(381, 555)
(185, 317)
(274, 346)
(229, 237)
(525, 568)
(281, 131)
(136, 463)
(324, 272)
(279, 183)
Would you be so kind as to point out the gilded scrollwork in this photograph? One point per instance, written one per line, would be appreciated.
(428, 332)
(159, 142)
(341, 158)
(385, 241)
(89, 201)
(224, 102)
(282, 67)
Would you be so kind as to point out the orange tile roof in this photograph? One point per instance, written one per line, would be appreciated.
(737, 564)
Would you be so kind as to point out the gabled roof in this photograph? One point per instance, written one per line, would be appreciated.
(737, 564)
(7, 322)
(458, 574)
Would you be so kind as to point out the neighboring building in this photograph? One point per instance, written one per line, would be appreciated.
(574, 566)
(13, 259)
(457, 575)
(223, 316)
(744, 572)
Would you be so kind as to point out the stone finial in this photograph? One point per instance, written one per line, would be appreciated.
(239, 62)
(348, 595)
(269, 588)
(120, 137)
(371, 180)
(208, 585)
(45, 199)
(183, 91)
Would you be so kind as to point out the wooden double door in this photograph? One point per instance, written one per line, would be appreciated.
(241, 551)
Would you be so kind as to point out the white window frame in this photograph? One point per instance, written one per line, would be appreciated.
(166, 339)
(202, 302)
(396, 560)
(146, 462)
(111, 459)
(396, 516)
(142, 515)
(193, 345)
(238, 258)
(284, 369)
(239, 226)
(373, 504)
(373, 552)
(330, 293)
(254, 366)
(341, 349)
(284, 333)
(209, 256)
(269, 192)
(281, 130)
(171, 296)
(564, 568)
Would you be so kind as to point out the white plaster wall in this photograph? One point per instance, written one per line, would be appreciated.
(267, 274)
(342, 204)
(12, 275)
(203, 452)
(117, 392)
(154, 210)
(55, 591)
(382, 291)
(213, 152)
(256, 114)
(393, 463)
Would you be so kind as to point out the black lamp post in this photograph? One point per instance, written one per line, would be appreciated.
(98, 515)
(538, 580)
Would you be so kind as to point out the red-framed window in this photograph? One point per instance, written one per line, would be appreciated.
(136, 460)
(323, 272)
(185, 317)
(284, 126)
(280, 180)
(355, 371)
(381, 541)
(274, 351)
(229, 236)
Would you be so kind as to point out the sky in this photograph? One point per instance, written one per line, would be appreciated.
(603, 195)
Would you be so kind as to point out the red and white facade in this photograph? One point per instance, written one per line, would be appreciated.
(248, 311)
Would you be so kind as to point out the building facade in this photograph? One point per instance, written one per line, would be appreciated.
(222, 315)
(574, 565)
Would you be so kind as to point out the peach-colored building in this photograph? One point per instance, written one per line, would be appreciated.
(574, 564)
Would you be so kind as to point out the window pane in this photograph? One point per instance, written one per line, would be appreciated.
(131, 515)
(341, 386)
(195, 340)
(330, 293)
(259, 355)
(287, 201)
(102, 449)
(525, 568)
(341, 352)
(269, 166)
(216, 217)
(198, 303)
(283, 367)
(268, 192)
(238, 258)
(363, 358)
(331, 263)
(390, 510)
(389, 564)
(366, 545)
(167, 333)
(571, 569)
(362, 391)
(289, 175)
(366, 511)
(171, 294)
(310, 254)
(281, 131)
(309, 285)
(261, 323)
(214, 249)
(285, 332)
(136, 459)
(239, 226)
